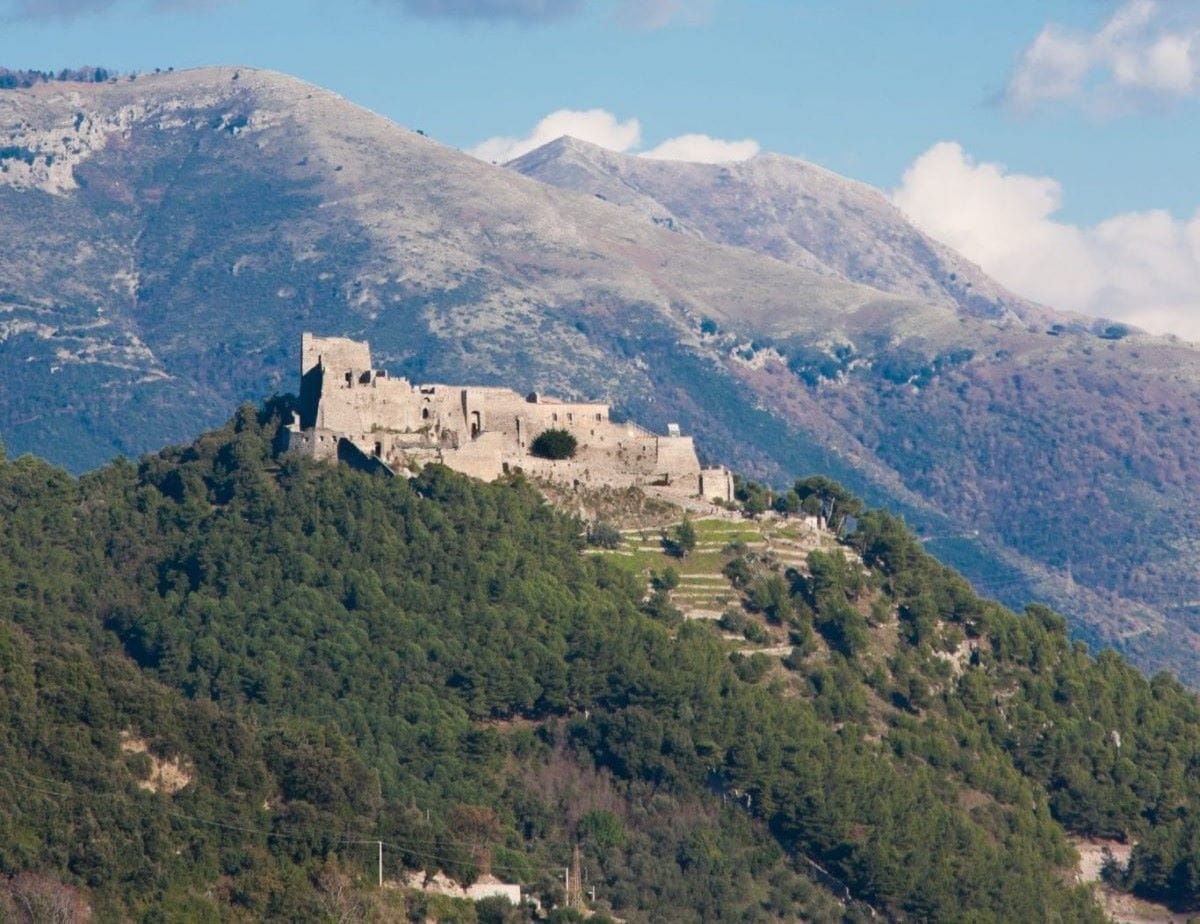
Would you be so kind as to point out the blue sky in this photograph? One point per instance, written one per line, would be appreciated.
(1087, 109)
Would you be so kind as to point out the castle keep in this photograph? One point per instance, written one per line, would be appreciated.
(482, 432)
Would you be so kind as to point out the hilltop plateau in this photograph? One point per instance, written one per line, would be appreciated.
(167, 238)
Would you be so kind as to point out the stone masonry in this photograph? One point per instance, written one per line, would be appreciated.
(482, 432)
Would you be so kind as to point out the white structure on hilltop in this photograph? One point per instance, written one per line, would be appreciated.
(350, 410)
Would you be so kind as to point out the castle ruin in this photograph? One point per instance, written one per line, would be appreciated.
(347, 405)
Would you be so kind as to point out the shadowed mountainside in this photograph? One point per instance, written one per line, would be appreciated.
(167, 239)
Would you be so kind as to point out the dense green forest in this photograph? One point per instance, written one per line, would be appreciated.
(330, 659)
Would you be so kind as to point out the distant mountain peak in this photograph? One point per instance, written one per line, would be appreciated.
(789, 209)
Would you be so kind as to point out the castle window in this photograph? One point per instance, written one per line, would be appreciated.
(424, 413)
(554, 416)
(571, 418)
(349, 378)
(599, 417)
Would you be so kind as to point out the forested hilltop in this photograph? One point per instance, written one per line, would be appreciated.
(225, 675)
(792, 320)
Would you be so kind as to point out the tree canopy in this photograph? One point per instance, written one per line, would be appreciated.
(554, 444)
(331, 658)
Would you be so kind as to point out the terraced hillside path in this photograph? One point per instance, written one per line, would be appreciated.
(702, 590)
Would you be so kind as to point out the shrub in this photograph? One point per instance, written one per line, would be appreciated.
(732, 621)
(604, 535)
(750, 669)
(756, 633)
(554, 444)
(681, 540)
(794, 661)
(738, 571)
(666, 580)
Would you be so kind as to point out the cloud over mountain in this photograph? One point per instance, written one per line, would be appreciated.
(595, 125)
(1139, 267)
(1147, 50)
(703, 149)
(602, 128)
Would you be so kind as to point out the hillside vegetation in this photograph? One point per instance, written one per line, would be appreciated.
(327, 659)
(168, 238)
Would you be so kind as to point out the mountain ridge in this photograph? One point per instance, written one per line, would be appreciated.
(215, 214)
(688, 196)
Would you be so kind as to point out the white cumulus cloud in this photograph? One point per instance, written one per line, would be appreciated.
(597, 126)
(1147, 50)
(703, 149)
(1139, 267)
(601, 127)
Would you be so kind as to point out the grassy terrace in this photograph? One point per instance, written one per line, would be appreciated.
(704, 592)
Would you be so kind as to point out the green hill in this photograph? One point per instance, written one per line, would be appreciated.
(792, 321)
(225, 676)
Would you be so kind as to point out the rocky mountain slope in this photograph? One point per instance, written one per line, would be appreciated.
(788, 209)
(166, 239)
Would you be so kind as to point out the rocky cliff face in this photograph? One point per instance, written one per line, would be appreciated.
(166, 240)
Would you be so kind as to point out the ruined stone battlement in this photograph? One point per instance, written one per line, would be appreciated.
(481, 431)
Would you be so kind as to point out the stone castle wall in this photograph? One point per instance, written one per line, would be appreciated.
(483, 432)
(334, 352)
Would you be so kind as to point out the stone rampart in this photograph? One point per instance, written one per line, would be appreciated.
(333, 352)
(484, 432)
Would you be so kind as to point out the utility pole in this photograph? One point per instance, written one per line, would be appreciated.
(380, 843)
